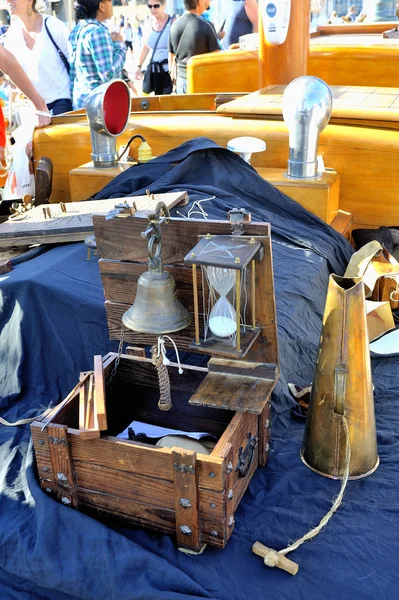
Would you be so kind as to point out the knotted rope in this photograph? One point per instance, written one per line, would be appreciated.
(165, 400)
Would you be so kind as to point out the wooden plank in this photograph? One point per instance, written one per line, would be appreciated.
(129, 510)
(99, 393)
(89, 419)
(61, 461)
(243, 368)
(145, 516)
(186, 498)
(121, 238)
(240, 393)
(122, 484)
(76, 221)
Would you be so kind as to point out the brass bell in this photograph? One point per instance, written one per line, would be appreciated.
(156, 308)
(342, 388)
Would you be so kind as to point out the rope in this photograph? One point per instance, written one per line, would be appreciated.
(165, 400)
(25, 421)
(272, 558)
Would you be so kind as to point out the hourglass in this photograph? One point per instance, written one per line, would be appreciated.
(223, 317)
(227, 280)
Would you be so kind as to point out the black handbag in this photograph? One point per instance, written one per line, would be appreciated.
(60, 52)
(156, 79)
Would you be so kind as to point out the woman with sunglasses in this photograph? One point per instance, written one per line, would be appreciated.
(157, 38)
(97, 55)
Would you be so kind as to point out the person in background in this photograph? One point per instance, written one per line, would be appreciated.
(10, 66)
(97, 56)
(157, 34)
(241, 18)
(190, 36)
(334, 19)
(29, 40)
(350, 16)
(206, 15)
(362, 16)
(127, 35)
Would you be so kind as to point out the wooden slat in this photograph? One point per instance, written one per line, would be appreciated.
(133, 457)
(88, 422)
(129, 510)
(122, 484)
(61, 461)
(239, 367)
(186, 498)
(145, 516)
(99, 393)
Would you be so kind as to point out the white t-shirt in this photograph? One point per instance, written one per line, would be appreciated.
(42, 64)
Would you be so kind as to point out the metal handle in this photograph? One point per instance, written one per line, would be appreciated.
(246, 456)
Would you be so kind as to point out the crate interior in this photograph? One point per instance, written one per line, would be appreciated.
(133, 395)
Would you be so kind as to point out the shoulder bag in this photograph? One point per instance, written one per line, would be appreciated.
(156, 79)
(60, 52)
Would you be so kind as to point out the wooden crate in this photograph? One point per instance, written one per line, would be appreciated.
(175, 491)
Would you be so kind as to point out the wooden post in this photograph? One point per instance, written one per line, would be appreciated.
(186, 498)
(61, 462)
(264, 428)
(279, 65)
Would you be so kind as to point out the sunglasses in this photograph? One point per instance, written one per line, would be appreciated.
(153, 5)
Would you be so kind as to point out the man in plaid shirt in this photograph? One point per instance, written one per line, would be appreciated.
(96, 55)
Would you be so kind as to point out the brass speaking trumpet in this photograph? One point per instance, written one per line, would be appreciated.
(342, 387)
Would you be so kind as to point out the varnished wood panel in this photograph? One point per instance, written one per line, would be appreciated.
(282, 63)
(235, 70)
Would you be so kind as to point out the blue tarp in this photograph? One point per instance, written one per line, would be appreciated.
(52, 322)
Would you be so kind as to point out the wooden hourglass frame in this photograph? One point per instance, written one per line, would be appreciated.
(226, 254)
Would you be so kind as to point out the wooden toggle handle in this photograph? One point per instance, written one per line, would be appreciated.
(276, 559)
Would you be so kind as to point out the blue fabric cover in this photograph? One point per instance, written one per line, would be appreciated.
(52, 322)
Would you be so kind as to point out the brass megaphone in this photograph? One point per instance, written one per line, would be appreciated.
(342, 388)
(156, 308)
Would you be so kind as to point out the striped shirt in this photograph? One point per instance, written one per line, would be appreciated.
(95, 59)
